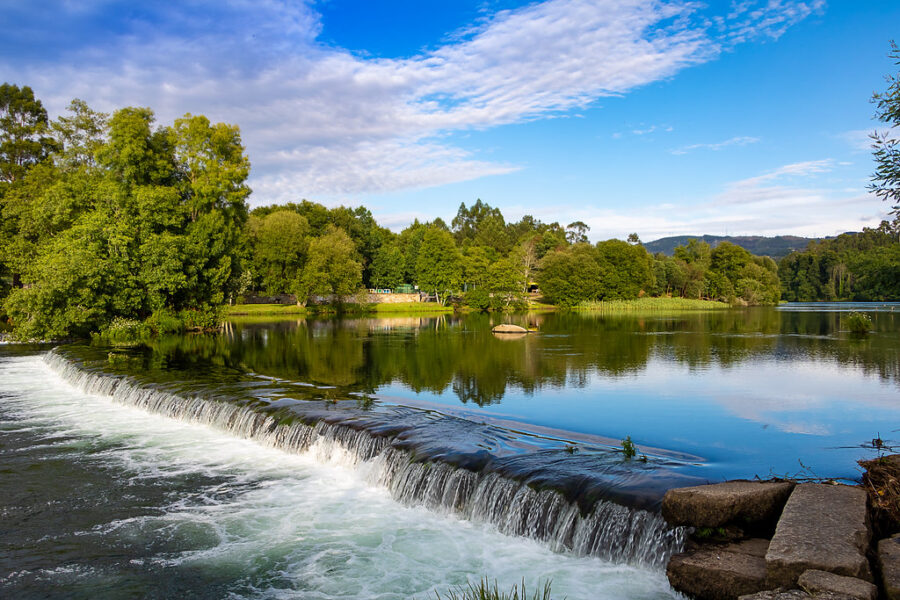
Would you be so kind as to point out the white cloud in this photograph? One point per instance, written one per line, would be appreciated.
(735, 141)
(320, 121)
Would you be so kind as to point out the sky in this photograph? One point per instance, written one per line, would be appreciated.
(745, 117)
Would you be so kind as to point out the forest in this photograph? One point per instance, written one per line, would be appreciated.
(112, 222)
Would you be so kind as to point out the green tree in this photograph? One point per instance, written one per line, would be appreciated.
(279, 241)
(438, 264)
(23, 129)
(625, 270)
(570, 276)
(332, 269)
(388, 267)
(886, 179)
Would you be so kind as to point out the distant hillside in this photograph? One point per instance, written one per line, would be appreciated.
(776, 247)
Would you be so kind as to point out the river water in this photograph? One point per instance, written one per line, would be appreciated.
(112, 489)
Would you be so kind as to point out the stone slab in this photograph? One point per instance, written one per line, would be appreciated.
(786, 594)
(822, 527)
(817, 582)
(889, 565)
(720, 571)
(719, 504)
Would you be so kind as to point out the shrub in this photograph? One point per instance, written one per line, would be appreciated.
(163, 321)
(121, 329)
(859, 323)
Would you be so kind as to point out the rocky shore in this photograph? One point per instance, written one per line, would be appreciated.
(781, 540)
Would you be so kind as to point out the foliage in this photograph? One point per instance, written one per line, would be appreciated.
(652, 305)
(264, 309)
(886, 179)
(859, 323)
(23, 129)
(484, 590)
(862, 266)
(332, 269)
(629, 450)
(123, 221)
(625, 270)
(570, 276)
(278, 243)
(438, 265)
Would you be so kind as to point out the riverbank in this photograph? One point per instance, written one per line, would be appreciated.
(652, 305)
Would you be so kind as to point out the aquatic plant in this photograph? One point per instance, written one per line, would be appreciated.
(628, 448)
(859, 323)
(484, 590)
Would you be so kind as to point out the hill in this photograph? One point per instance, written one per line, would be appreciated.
(777, 247)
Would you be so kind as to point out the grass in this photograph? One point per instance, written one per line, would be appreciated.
(264, 309)
(652, 305)
(484, 590)
(408, 307)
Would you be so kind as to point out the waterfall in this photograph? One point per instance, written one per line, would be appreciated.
(606, 530)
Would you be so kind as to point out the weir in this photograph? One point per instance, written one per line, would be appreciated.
(516, 504)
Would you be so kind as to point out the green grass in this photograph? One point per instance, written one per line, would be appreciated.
(264, 309)
(408, 307)
(651, 305)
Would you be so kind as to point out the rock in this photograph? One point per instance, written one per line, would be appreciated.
(721, 503)
(816, 582)
(720, 571)
(786, 594)
(508, 328)
(889, 564)
(779, 594)
(822, 527)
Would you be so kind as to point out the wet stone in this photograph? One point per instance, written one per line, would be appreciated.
(889, 564)
(817, 582)
(822, 527)
(720, 571)
(715, 505)
(786, 594)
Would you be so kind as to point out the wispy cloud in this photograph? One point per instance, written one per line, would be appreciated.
(861, 139)
(319, 121)
(735, 141)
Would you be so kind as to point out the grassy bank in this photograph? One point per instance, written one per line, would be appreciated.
(382, 308)
(263, 309)
(652, 305)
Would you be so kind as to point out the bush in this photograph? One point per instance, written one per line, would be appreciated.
(121, 329)
(201, 319)
(479, 299)
(859, 323)
(163, 321)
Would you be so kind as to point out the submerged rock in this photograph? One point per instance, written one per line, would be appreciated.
(817, 582)
(720, 571)
(823, 527)
(715, 505)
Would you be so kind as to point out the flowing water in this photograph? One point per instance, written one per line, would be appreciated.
(389, 458)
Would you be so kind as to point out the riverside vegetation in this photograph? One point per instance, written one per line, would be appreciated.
(112, 224)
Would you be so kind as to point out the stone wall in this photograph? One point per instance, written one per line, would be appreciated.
(393, 298)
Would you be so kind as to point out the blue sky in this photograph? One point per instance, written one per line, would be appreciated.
(657, 117)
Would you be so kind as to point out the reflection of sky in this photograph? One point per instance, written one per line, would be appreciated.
(760, 417)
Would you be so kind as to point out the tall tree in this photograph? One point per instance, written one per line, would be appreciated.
(886, 179)
(23, 131)
(438, 265)
(332, 268)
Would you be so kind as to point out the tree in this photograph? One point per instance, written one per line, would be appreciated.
(886, 179)
(388, 267)
(279, 243)
(438, 265)
(633, 238)
(332, 268)
(570, 276)
(576, 232)
(23, 128)
(625, 270)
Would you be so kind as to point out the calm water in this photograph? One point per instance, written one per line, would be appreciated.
(101, 499)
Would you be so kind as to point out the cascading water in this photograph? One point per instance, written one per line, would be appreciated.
(602, 529)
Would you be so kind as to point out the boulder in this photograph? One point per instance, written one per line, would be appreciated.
(822, 527)
(817, 582)
(509, 328)
(786, 594)
(720, 571)
(889, 565)
(715, 505)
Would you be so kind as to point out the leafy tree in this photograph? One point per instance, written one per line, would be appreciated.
(625, 270)
(570, 276)
(576, 233)
(388, 268)
(332, 268)
(279, 241)
(886, 179)
(438, 264)
(476, 261)
(468, 221)
(23, 129)
(633, 238)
